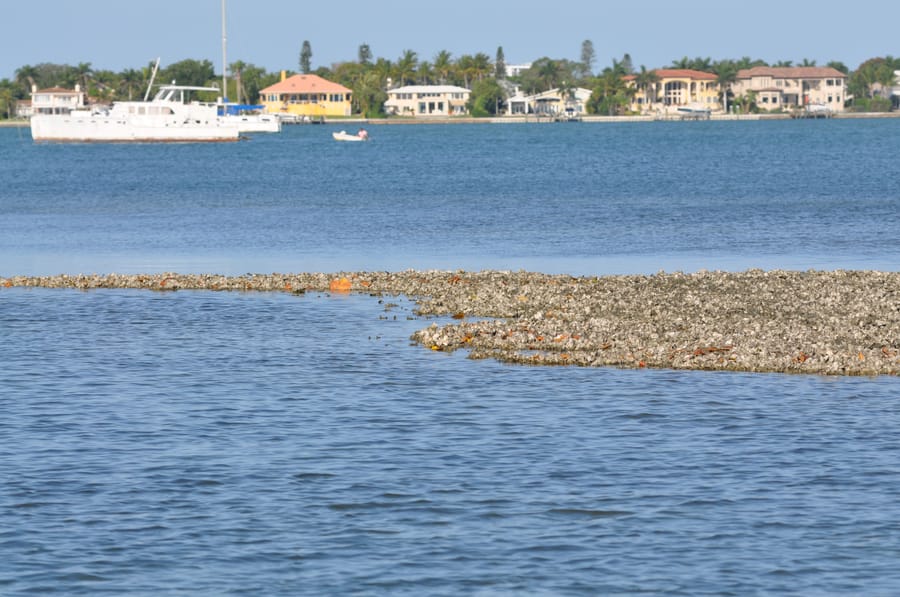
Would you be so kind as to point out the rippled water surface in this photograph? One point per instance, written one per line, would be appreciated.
(239, 443)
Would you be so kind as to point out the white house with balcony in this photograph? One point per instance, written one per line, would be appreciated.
(554, 102)
(56, 100)
(427, 100)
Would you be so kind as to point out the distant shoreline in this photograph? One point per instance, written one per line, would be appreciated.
(547, 120)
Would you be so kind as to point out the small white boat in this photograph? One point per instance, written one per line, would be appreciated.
(345, 136)
(694, 110)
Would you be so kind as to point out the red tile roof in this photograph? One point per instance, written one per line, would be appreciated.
(791, 72)
(305, 84)
(684, 73)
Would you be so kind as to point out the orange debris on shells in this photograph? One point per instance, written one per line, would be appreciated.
(340, 285)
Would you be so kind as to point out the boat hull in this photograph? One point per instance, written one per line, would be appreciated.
(106, 129)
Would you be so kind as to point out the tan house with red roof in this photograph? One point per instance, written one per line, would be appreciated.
(787, 88)
(306, 95)
(675, 87)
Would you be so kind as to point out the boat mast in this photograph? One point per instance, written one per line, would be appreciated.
(224, 61)
(152, 77)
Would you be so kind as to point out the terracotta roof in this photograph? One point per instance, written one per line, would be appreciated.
(791, 72)
(305, 84)
(684, 73)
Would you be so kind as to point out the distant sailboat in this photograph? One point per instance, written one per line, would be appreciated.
(249, 118)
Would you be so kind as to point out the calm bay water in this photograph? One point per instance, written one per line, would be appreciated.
(232, 443)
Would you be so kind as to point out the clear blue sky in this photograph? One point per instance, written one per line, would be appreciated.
(119, 34)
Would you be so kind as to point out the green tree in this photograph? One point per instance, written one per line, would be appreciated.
(726, 75)
(443, 66)
(83, 72)
(500, 64)
(611, 93)
(586, 67)
(306, 57)
(486, 98)
(369, 94)
(481, 66)
(237, 75)
(425, 73)
(405, 68)
(7, 98)
(364, 55)
(27, 76)
(465, 68)
(189, 72)
(840, 66)
(546, 73)
(130, 80)
(647, 81)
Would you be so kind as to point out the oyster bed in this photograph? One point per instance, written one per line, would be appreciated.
(835, 322)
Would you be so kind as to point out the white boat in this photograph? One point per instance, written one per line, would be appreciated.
(345, 136)
(694, 110)
(254, 122)
(172, 116)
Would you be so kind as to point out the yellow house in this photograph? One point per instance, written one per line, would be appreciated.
(674, 87)
(306, 95)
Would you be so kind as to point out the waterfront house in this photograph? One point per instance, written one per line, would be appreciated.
(787, 88)
(674, 88)
(24, 108)
(56, 100)
(306, 95)
(556, 102)
(427, 100)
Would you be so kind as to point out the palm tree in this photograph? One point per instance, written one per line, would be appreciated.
(425, 73)
(443, 66)
(128, 80)
(683, 63)
(237, 71)
(83, 71)
(465, 68)
(726, 75)
(7, 100)
(369, 93)
(405, 69)
(549, 73)
(481, 66)
(27, 73)
(646, 79)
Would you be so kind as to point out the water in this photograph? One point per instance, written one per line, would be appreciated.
(235, 443)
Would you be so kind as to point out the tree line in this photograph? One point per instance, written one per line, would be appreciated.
(369, 78)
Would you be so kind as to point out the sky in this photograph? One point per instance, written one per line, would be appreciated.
(120, 34)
